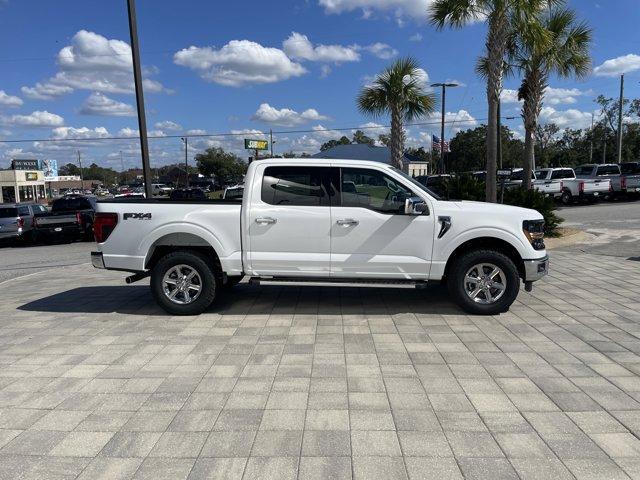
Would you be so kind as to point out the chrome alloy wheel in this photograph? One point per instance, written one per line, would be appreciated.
(485, 283)
(182, 284)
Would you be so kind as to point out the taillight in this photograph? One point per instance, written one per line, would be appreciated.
(103, 225)
(79, 219)
(581, 187)
(20, 222)
(561, 185)
(623, 183)
(610, 186)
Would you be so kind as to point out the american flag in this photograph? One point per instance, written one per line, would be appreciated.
(435, 144)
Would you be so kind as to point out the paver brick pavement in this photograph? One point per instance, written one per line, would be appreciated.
(97, 382)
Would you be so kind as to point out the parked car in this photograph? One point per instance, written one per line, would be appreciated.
(160, 189)
(517, 177)
(188, 194)
(16, 220)
(551, 181)
(435, 183)
(233, 193)
(70, 218)
(630, 178)
(298, 225)
(588, 186)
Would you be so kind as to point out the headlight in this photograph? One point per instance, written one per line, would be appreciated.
(534, 231)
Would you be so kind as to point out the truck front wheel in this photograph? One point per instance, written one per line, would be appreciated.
(183, 283)
(484, 282)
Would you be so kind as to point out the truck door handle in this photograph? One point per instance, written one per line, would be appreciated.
(347, 222)
(265, 220)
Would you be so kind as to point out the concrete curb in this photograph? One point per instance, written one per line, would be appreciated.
(571, 239)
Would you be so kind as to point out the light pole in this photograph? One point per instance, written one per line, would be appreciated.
(444, 93)
(137, 80)
(186, 159)
(620, 118)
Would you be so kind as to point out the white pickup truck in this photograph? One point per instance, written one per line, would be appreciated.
(336, 222)
(562, 183)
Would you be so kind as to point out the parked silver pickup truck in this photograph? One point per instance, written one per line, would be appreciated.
(630, 178)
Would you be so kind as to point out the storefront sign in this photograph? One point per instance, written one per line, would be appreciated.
(25, 164)
(31, 176)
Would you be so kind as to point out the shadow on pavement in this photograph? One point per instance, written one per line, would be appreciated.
(248, 299)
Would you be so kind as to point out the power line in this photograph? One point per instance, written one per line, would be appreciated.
(232, 134)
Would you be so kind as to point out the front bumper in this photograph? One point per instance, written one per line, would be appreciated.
(536, 269)
(96, 260)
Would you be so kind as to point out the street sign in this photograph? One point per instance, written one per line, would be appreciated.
(256, 144)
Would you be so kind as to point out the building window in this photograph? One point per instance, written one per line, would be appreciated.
(8, 194)
(26, 193)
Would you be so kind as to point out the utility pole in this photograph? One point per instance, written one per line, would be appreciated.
(591, 144)
(271, 141)
(186, 160)
(620, 118)
(124, 175)
(499, 134)
(444, 92)
(81, 174)
(137, 79)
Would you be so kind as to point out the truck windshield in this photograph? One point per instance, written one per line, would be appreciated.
(416, 183)
(630, 168)
(8, 212)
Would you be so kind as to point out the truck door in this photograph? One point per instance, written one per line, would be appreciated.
(289, 222)
(371, 236)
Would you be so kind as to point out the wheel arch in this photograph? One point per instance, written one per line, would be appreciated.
(172, 242)
(487, 243)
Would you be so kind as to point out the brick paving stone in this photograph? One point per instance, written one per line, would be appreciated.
(322, 382)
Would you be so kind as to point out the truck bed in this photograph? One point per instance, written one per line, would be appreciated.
(162, 221)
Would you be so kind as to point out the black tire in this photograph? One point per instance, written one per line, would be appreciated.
(458, 291)
(566, 198)
(208, 284)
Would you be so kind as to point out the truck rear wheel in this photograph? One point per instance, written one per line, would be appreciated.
(484, 282)
(566, 198)
(183, 283)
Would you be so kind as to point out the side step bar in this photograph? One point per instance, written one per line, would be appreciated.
(337, 282)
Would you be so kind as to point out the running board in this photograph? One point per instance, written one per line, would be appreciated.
(337, 282)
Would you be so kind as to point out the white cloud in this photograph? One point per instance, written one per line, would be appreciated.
(9, 100)
(617, 66)
(454, 121)
(168, 125)
(416, 37)
(128, 132)
(423, 78)
(416, 9)
(196, 131)
(299, 47)
(238, 63)
(571, 118)
(34, 119)
(509, 96)
(65, 133)
(91, 62)
(100, 104)
(285, 117)
(381, 50)
(552, 96)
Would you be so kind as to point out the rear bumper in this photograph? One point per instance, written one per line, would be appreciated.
(96, 260)
(536, 269)
(60, 230)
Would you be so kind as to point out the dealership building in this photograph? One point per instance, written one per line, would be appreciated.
(25, 182)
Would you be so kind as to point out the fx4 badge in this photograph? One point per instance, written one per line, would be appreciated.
(137, 216)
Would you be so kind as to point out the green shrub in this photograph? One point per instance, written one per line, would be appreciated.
(535, 200)
(466, 187)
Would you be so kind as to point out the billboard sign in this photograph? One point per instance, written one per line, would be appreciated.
(250, 144)
(50, 169)
(25, 164)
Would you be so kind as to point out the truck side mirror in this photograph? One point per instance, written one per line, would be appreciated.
(415, 206)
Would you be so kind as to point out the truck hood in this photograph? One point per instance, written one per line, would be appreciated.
(496, 209)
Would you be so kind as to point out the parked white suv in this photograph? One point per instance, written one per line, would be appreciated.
(330, 222)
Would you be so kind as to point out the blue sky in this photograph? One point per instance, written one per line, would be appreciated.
(248, 66)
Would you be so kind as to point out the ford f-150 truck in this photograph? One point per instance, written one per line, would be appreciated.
(330, 222)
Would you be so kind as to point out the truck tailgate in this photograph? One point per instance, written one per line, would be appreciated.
(596, 185)
(56, 220)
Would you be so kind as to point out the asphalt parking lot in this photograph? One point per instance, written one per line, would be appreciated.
(285, 383)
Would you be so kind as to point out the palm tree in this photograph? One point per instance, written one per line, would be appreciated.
(399, 92)
(566, 54)
(503, 17)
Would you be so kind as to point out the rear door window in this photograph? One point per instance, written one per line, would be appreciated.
(608, 170)
(70, 204)
(23, 211)
(296, 186)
